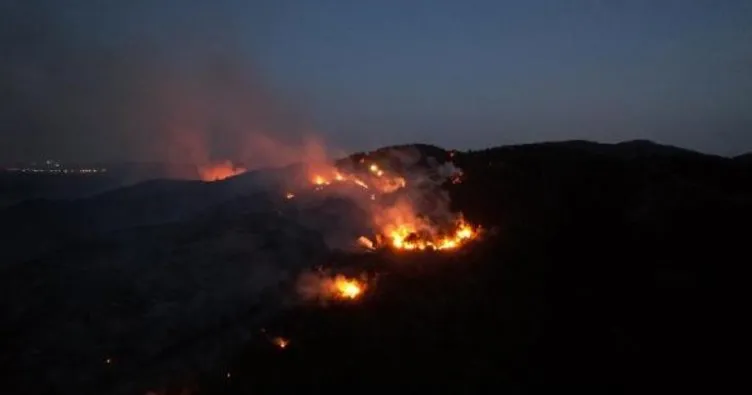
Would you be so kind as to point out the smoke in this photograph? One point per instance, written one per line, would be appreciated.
(81, 81)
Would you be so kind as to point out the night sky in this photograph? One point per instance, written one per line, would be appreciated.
(189, 80)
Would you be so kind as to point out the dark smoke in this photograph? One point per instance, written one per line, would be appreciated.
(90, 81)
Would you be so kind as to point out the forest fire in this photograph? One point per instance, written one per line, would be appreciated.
(219, 171)
(345, 288)
(399, 222)
(323, 287)
(407, 238)
(320, 180)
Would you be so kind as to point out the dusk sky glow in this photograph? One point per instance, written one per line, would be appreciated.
(112, 80)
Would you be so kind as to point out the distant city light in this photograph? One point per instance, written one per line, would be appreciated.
(51, 166)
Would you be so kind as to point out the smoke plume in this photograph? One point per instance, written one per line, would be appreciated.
(139, 89)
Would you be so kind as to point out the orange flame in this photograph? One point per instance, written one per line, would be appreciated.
(410, 234)
(319, 180)
(322, 287)
(219, 171)
(345, 288)
(365, 242)
(399, 222)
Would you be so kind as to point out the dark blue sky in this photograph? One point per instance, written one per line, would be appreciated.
(102, 79)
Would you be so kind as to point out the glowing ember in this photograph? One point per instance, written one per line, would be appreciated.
(360, 183)
(281, 342)
(319, 180)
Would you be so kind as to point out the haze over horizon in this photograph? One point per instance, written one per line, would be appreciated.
(178, 81)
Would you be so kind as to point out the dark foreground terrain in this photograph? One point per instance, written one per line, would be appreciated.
(603, 268)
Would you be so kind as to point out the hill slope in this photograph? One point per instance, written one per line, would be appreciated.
(599, 270)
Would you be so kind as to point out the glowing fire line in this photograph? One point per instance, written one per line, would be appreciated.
(402, 233)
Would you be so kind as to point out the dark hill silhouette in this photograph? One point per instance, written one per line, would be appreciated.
(606, 268)
(745, 159)
(603, 278)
